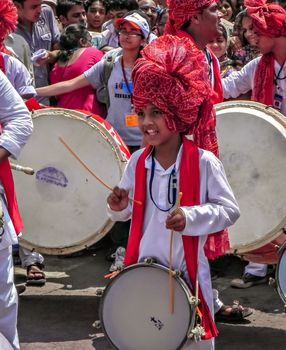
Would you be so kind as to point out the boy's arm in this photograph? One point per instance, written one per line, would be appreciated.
(220, 210)
(240, 82)
(127, 182)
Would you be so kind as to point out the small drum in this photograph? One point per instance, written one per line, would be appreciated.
(63, 206)
(135, 314)
(281, 273)
(252, 140)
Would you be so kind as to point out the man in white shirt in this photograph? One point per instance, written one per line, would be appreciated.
(16, 128)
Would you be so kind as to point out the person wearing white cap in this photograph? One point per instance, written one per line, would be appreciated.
(134, 31)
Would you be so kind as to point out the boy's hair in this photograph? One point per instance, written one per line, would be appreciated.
(64, 6)
(117, 5)
(88, 3)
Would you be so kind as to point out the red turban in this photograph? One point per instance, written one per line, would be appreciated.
(268, 19)
(180, 11)
(172, 75)
(8, 19)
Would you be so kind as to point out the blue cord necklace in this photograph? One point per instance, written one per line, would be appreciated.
(172, 186)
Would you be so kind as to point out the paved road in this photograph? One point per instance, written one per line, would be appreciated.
(60, 316)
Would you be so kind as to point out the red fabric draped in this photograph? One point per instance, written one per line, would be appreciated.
(263, 90)
(189, 169)
(268, 19)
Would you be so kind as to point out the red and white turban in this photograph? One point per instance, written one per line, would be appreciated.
(8, 19)
(268, 19)
(172, 75)
(180, 11)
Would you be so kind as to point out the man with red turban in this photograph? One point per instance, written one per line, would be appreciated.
(198, 21)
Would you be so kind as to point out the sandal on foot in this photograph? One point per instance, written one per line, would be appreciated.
(35, 275)
(236, 314)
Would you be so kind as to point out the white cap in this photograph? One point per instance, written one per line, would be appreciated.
(138, 20)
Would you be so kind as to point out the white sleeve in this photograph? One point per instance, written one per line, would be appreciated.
(19, 77)
(127, 182)
(240, 82)
(220, 209)
(15, 118)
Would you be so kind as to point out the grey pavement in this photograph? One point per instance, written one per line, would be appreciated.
(61, 315)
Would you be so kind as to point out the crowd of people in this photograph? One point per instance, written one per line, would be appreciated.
(153, 70)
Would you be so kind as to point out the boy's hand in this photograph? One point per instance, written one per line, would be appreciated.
(118, 199)
(176, 220)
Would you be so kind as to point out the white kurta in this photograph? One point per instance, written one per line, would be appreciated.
(16, 128)
(217, 211)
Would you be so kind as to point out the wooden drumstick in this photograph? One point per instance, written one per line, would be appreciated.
(90, 171)
(171, 282)
(24, 169)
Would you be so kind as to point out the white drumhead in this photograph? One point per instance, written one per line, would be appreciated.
(135, 310)
(252, 141)
(63, 206)
(281, 274)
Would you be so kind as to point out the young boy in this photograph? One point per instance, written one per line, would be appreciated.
(170, 98)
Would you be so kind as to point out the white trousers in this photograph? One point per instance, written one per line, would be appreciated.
(256, 269)
(29, 257)
(8, 298)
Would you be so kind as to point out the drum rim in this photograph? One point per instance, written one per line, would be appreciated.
(86, 117)
(281, 119)
(155, 265)
(272, 112)
(281, 252)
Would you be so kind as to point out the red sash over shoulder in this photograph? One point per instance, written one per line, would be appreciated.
(189, 169)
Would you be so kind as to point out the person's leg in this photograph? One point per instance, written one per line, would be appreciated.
(254, 274)
(8, 299)
(216, 300)
(30, 257)
(34, 263)
(256, 269)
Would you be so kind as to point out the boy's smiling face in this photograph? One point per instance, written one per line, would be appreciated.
(152, 123)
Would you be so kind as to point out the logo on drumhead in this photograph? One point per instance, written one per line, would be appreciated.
(52, 176)
(157, 323)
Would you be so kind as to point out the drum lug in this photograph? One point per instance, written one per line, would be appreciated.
(149, 261)
(272, 282)
(99, 292)
(97, 324)
(178, 273)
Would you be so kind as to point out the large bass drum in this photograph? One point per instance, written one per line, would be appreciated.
(63, 205)
(252, 140)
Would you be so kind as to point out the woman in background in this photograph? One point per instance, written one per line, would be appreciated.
(75, 57)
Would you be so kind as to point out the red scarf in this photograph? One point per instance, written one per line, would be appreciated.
(263, 89)
(189, 169)
(7, 181)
